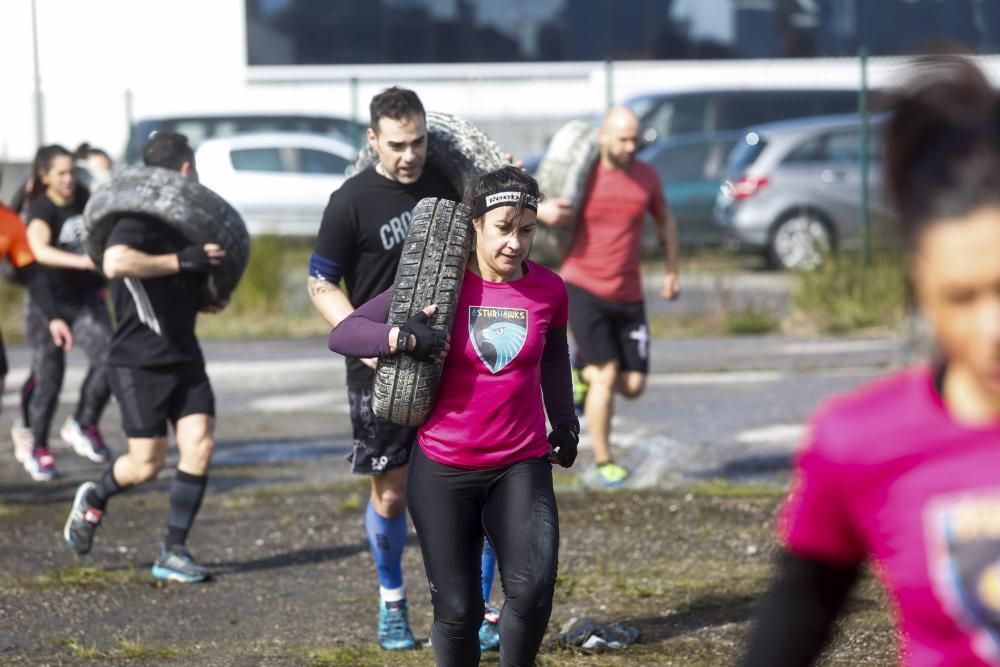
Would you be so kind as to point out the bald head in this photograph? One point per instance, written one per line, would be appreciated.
(618, 138)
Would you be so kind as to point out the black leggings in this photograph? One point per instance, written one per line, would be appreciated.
(40, 394)
(515, 507)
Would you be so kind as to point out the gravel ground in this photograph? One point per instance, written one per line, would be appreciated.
(293, 582)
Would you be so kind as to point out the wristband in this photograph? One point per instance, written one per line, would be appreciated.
(402, 340)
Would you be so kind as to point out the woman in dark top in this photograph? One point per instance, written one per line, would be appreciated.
(55, 226)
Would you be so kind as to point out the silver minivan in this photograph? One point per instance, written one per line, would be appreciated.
(792, 190)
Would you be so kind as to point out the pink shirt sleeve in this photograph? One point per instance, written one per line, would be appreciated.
(816, 521)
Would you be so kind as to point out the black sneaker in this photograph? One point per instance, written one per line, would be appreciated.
(83, 521)
(176, 564)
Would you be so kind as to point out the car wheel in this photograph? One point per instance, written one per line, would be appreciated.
(800, 242)
(184, 204)
(563, 173)
(456, 148)
(430, 271)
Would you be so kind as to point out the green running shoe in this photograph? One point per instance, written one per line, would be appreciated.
(611, 475)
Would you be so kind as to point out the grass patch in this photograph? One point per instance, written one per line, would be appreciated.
(750, 320)
(271, 299)
(722, 488)
(134, 650)
(79, 577)
(847, 294)
(8, 512)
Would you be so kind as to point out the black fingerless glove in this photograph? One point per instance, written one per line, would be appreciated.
(193, 259)
(564, 439)
(429, 341)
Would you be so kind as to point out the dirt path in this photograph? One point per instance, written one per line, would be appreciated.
(294, 582)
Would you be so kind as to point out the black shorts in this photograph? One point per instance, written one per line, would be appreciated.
(379, 445)
(605, 331)
(151, 396)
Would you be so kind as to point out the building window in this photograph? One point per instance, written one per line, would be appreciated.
(350, 32)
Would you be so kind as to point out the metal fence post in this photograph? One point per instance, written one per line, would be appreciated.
(609, 84)
(865, 155)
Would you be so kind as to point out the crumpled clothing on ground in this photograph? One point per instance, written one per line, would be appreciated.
(589, 635)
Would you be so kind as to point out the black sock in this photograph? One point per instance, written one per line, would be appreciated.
(186, 492)
(107, 486)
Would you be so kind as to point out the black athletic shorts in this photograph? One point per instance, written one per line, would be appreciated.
(3, 359)
(604, 330)
(378, 445)
(151, 396)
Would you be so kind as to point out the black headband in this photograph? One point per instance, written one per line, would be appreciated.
(491, 200)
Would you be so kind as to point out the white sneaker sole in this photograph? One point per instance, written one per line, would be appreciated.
(21, 450)
(81, 448)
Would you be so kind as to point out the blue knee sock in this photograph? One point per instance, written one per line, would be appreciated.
(386, 537)
(489, 566)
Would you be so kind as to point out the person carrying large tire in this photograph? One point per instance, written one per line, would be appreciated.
(482, 468)
(602, 271)
(156, 366)
(360, 240)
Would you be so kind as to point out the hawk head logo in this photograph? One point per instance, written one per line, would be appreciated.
(497, 334)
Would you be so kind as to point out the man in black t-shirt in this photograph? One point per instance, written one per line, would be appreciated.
(156, 370)
(360, 241)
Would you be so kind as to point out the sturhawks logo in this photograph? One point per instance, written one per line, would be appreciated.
(963, 537)
(497, 334)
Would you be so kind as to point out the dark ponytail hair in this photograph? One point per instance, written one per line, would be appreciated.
(505, 179)
(41, 165)
(943, 145)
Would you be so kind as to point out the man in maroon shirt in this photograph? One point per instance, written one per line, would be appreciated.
(606, 312)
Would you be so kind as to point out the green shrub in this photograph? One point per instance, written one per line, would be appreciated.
(750, 320)
(847, 294)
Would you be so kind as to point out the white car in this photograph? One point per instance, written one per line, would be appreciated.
(279, 182)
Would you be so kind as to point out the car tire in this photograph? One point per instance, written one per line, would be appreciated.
(455, 147)
(184, 204)
(563, 173)
(799, 241)
(430, 271)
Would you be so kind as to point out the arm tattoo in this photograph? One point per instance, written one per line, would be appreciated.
(319, 286)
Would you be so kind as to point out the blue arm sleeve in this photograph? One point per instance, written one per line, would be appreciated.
(325, 269)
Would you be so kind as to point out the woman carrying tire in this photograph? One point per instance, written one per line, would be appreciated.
(905, 472)
(482, 467)
(55, 224)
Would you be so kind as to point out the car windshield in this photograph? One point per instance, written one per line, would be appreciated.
(745, 152)
(641, 106)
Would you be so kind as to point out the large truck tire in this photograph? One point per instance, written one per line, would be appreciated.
(430, 271)
(563, 173)
(189, 207)
(455, 147)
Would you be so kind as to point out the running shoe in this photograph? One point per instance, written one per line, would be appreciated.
(41, 465)
(82, 521)
(489, 631)
(580, 389)
(85, 441)
(611, 475)
(176, 564)
(24, 441)
(394, 626)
